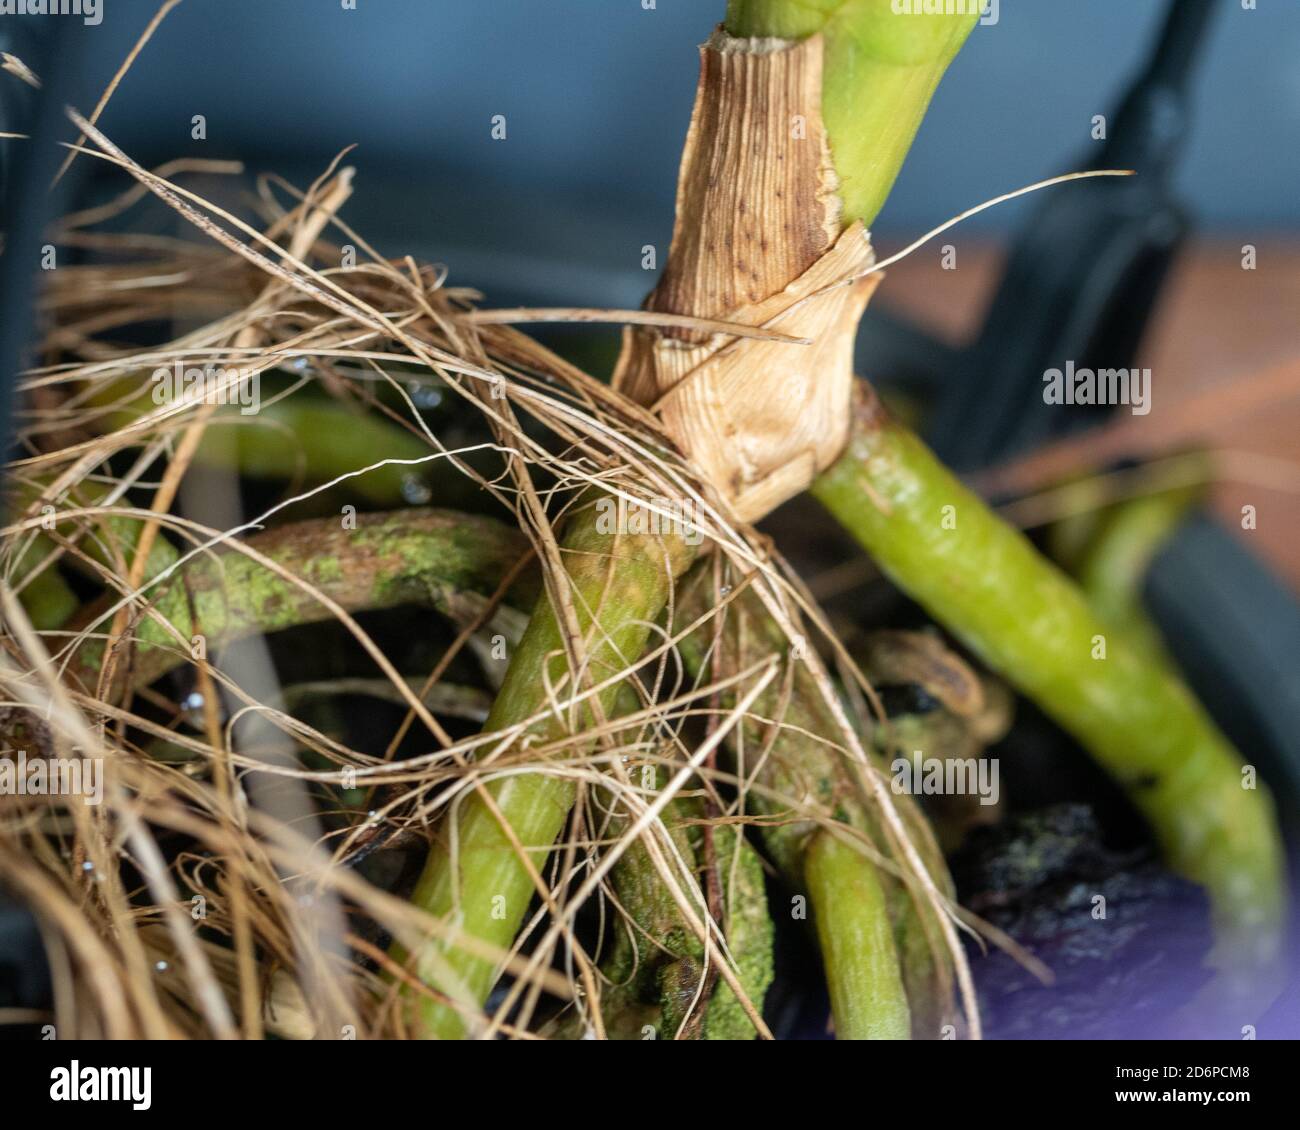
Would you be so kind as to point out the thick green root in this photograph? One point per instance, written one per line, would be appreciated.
(47, 597)
(800, 761)
(851, 912)
(301, 437)
(620, 584)
(375, 561)
(987, 584)
(749, 934)
(1115, 563)
(657, 963)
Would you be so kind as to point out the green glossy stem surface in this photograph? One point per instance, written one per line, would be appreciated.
(853, 927)
(1026, 619)
(625, 580)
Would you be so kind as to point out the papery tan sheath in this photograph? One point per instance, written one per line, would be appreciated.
(757, 233)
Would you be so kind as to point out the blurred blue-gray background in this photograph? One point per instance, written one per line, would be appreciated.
(596, 96)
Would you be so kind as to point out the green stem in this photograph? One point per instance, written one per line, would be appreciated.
(987, 584)
(853, 927)
(881, 69)
(625, 580)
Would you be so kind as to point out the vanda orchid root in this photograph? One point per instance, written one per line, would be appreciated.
(436, 680)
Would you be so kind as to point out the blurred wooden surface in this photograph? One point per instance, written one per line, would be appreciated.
(1218, 326)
